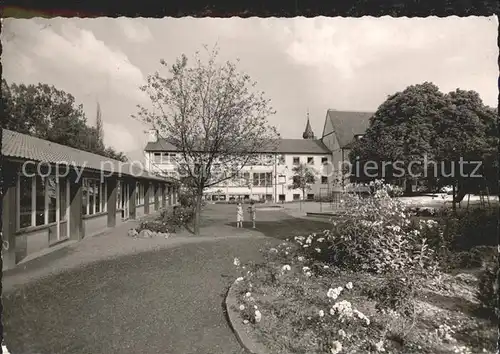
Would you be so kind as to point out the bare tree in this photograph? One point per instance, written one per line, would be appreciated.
(213, 115)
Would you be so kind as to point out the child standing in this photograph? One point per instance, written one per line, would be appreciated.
(239, 216)
(252, 210)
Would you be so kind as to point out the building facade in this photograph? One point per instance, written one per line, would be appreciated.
(270, 178)
(54, 193)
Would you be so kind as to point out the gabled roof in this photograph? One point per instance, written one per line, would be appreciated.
(285, 146)
(348, 124)
(27, 147)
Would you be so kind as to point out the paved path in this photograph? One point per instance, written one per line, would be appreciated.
(125, 295)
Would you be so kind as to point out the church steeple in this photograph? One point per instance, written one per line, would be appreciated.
(308, 133)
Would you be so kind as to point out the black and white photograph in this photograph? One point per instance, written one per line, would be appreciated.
(250, 185)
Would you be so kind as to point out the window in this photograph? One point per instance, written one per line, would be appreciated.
(38, 199)
(119, 195)
(296, 196)
(324, 180)
(26, 198)
(296, 160)
(324, 160)
(262, 179)
(51, 199)
(63, 202)
(246, 178)
(164, 157)
(281, 160)
(157, 157)
(93, 200)
(310, 196)
(282, 197)
(310, 160)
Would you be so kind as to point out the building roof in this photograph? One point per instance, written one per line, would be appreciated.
(285, 146)
(26, 147)
(308, 133)
(348, 124)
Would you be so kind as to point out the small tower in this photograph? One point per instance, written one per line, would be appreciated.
(308, 133)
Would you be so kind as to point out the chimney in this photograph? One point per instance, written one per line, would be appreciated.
(153, 136)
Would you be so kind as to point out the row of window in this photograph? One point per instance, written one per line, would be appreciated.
(163, 157)
(167, 158)
(310, 160)
(141, 193)
(41, 199)
(242, 179)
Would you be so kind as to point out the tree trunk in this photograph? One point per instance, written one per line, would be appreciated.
(408, 189)
(197, 213)
(454, 200)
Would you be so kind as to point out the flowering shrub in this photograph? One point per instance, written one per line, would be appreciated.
(375, 234)
(177, 217)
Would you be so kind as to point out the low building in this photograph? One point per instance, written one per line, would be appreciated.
(54, 193)
(270, 179)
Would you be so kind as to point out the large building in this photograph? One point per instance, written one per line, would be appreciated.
(270, 179)
(55, 193)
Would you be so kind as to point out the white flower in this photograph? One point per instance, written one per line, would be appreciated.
(236, 262)
(334, 293)
(248, 294)
(321, 313)
(239, 279)
(305, 269)
(242, 307)
(349, 285)
(308, 274)
(336, 347)
(325, 267)
(273, 250)
(286, 267)
(300, 258)
(318, 250)
(342, 333)
(321, 239)
(245, 321)
(258, 316)
(380, 346)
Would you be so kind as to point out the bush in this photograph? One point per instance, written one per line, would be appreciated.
(377, 235)
(177, 217)
(476, 227)
(155, 226)
(488, 288)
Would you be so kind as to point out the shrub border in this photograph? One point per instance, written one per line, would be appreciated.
(243, 335)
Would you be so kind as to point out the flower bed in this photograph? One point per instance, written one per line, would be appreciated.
(298, 305)
(373, 283)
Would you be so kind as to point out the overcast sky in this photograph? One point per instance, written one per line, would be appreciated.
(320, 63)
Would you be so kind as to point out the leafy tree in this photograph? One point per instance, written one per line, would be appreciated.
(45, 112)
(212, 114)
(303, 177)
(427, 132)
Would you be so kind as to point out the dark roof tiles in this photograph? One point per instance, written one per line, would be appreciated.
(348, 124)
(26, 147)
